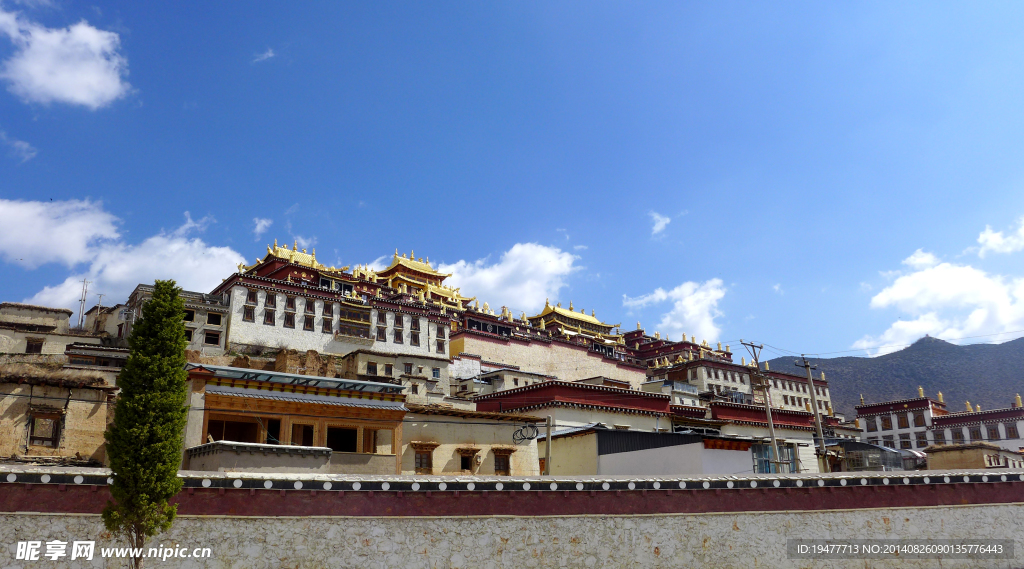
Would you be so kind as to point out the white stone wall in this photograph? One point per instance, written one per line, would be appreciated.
(709, 541)
(429, 335)
(454, 432)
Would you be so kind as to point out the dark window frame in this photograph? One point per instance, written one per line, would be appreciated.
(268, 317)
(206, 338)
(289, 320)
(54, 438)
(248, 314)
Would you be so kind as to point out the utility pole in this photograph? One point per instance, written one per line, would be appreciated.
(99, 308)
(762, 382)
(547, 449)
(814, 409)
(81, 303)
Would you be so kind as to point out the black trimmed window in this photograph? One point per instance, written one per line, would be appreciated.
(382, 333)
(328, 326)
(307, 323)
(34, 346)
(190, 316)
(310, 306)
(251, 296)
(440, 346)
(1011, 431)
(993, 433)
(389, 370)
(271, 300)
(408, 369)
(424, 462)
(975, 434)
(414, 338)
(398, 336)
(268, 317)
(249, 314)
(213, 319)
(414, 324)
(289, 303)
(328, 309)
(903, 421)
(289, 319)
(44, 429)
(371, 368)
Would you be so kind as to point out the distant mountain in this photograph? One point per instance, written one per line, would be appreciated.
(985, 374)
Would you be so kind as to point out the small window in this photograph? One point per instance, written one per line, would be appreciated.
(44, 429)
(212, 339)
(414, 324)
(310, 306)
(1011, 431)
(250, 297)
(904, 422)
(958, 436)
(436, 373)
(940, 437)
(872, 425)
(271, 300)
(342, 440)
(993, 433)
(415, 388)
(371, 368)
(398, 336)
(382, 319)
(328, 326)
(188, 335)
(975, 434)
(33, 346)
(382, 334)
(440, 346)
(905, 441)
(268, 317)
(289, 320)
(501, 465)
(466, 463)
(408, 369)
(307, 323)
(389, 370)
(399, 321)
(328, 309)
(213, 319)
(886, 423)
(922, 440)
(249, 314)
(289, 303)
(302, 435)
(424, 462)
(190, 316)
(414, 338)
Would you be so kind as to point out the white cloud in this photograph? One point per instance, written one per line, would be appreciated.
(380, 263)
(997, 242)
(660, 221)
(293, 209)
(304, 242)
(116, 268)
(262, 224)
(77, 65)
(921, 260)
(264, 56)
(777, 287)
(694, 308)
(18, 149)
(522, 279)
(34, 233)
(947, 301)
(580, 248)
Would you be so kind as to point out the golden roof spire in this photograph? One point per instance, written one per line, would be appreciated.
(977, 408)
(295, 245)
(941, 398)
(1018, 401)
(570, 305)
(969, 408)
(861, 398)
(920, 391)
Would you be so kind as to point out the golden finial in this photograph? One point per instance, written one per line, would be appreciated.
(766, 366)
(856, 423)
(941, 398)
(977, 408)
(861, 398)
(547, 302)
(396, 252)
(808, 406)
(295, 245)
(303, 251)
(558, 305)
(920, 391)
(1017, 401)
(657, 335)
(719, 346)
(743, 361)
(592, 313)
(637, 324)
(314, 254)
(730, 351)
(275, 243)
(412, 255)
(570, 306)
(969, 408)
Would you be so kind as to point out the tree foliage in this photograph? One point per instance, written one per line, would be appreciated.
(144, 441)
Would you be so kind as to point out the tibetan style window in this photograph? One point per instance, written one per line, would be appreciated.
(940, 437)
(310, 306)
(872, 424)
(328, 326)
(436, 373)
(307, 323)
(213, 319)
(271, 300)
(424, 462)
(389, 370)
(975, 434)
(1011, 431)
(399, 321)
(415, 389)
(382, 319)
(414, 324)
(408, 369)
(382, 333)
(958, 436)
(249, 314)
(250, 297)
(886, 423)
(903, 421)
(190, 316)
(211, 339)
(289, 320)
(441, 331)
(887, 441)
(502, 462)
(922, 439)
(328, 309)
(371, 368)
(414, 338)
(289, 303)
(440, 346)
(398, 336)
(44, 429)
(268, 317)
(33, 346)
(993, 432)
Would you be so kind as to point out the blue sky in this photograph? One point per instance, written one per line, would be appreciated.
(816, 177)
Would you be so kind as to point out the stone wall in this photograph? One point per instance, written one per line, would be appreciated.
(753, 539)
(568, 363)
(81, 434)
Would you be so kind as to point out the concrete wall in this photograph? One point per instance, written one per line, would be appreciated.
(753, 539)
(360, 463)
(83, 426)
(568, 363)
(15, 341)
(572, 456)
(36, 315)
(568, 417)
(455, 432)
(805, 454)
(240, 457)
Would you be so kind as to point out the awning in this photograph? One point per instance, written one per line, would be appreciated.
(305, 398)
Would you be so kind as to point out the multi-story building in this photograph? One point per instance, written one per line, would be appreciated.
(205, 318)
(1000, 427)
(30, 329)
(904, 424)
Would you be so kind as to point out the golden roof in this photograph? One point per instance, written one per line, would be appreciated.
(410, 262)
(294, 255)
(570, 313)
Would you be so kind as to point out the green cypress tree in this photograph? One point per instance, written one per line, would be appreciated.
(144, 442)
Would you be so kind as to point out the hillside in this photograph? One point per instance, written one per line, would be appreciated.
(985, 374)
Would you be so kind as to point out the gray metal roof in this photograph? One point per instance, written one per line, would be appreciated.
(296, 379)
(305, 398)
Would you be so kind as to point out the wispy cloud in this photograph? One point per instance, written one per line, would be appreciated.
(778, 288)
(77, 65)
(264, 56)
(18, 149)
(998, 242)
(261, 225)
(580, 248)
(660, 222)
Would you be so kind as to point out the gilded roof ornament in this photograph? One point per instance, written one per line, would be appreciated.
(570, 305)
(969, 408)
